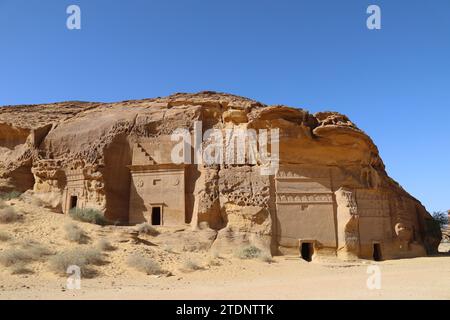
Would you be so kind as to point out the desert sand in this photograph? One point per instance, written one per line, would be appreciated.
(217, 277)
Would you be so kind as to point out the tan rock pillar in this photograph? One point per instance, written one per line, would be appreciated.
(347, 224)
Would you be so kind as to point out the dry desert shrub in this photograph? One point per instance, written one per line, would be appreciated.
(35, 249)
(144, 264)
(191, 265)
(196, 246)
(8, 214)
(214, 262)
(43, 199)
(104, 245)
(18, 258)
(214, 258)
(28, 197)
(89, 215)
(61, 261)
(4, 236)
(21, 268)
(93, 256)
(14, 256)
(82, 258)
(168, 248)
(266, 257)
(147, 228)
(215, 254)
(75, 234)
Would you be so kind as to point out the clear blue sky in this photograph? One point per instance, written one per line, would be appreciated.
(318, 55)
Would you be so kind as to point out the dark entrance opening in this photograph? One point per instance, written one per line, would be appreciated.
(73, 202)
(377, 252)
(306, 251)
(156, 216)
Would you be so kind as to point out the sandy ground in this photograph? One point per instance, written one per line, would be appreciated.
(227, 278)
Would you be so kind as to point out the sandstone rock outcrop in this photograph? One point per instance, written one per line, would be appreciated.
(446, 231)
(330, 194)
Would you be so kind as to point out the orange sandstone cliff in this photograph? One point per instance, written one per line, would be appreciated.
(330, 196)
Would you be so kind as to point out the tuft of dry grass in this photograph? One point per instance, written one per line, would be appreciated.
(214, 262)
(168, 248)
(30, 198)
(104, 245)
(89, 215)
(81, 258)
(144, 264)
(191, 265)
(8, 214)
(60, 262)
(35, 249)
(36, 202)
(13, 256)
(4, 236)
(75, 233)
(147, 228)
(18, 258)
(93, 256)
(266, 257)
(215, 254)
(214, 259)
(21, 268)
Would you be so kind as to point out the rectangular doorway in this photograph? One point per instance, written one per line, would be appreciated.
(156, 216)
(73, 202)
(306, 251)
(377, 255)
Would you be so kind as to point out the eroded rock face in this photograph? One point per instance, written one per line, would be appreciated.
(331, 190)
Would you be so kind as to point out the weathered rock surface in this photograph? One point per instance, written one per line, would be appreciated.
(331, 190)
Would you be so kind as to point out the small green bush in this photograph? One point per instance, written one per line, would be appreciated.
(433, 226)
(249, 252)
(89, 215)
(441, 218)
(5, 196)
